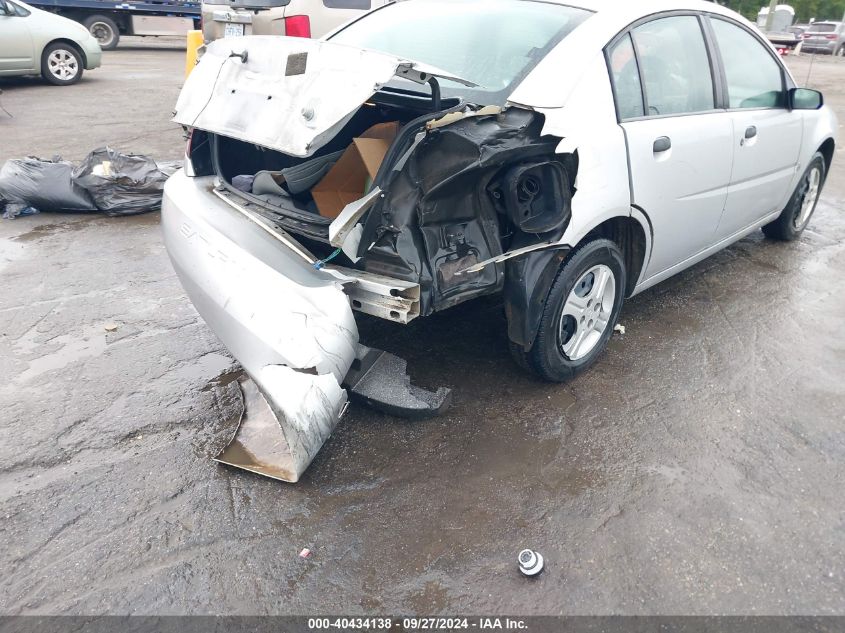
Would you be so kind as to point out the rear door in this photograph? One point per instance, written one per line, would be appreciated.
(766, 136)
(16, 47)
(680, 147)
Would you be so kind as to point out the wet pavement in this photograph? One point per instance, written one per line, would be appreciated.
(699, 468)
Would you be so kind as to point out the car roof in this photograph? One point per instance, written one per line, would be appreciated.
(643, 7)
(589, 39)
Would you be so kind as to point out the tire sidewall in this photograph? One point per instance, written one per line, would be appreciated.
(546, 351)
(45, 68)
(111, 24)
(798, 200)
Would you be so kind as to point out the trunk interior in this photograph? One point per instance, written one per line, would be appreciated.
(238, 162)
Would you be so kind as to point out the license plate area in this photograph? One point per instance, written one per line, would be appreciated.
(233, 30)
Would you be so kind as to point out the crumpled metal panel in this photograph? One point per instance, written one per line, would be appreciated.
(290, 94)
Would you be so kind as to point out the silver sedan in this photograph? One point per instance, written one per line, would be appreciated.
(562, 155)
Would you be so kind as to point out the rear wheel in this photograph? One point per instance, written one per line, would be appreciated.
(798, 211)
(580, 313)
(61, 64)
(840, 52)
(104, 30)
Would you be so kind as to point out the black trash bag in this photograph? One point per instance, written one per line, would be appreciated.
(121, 184)
(46, 185)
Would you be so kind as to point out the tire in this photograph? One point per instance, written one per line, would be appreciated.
(840, 52)
(798, 211)
(578, 317)
(61, 64)
(104, 30)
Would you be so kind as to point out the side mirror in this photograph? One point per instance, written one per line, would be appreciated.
(805, 99)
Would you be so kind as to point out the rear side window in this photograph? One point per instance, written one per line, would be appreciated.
(626, 79)
(366, 5)
(675, 66)
(754, 78)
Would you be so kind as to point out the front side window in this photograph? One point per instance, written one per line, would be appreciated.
(754, 77)
(675, 66)
(626, 79)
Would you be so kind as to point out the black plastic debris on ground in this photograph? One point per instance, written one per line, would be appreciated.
(106, 181)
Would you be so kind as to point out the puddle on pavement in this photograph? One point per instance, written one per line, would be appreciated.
(198, 371)
(92, 342)
(82, 221)
(46, 230)
(223, 380)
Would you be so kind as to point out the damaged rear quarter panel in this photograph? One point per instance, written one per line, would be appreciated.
(440, 216)
(587, 125)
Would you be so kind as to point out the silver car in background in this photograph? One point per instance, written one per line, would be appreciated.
(36, 42)
(564, 156)
(825, 37)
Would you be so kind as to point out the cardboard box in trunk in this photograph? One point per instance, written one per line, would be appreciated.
(348, 180)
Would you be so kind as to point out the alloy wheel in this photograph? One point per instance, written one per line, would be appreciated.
(62, 65)
(587, 311)
(811, 195)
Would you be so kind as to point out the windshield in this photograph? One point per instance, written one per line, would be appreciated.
(823, 28)
(493, 43)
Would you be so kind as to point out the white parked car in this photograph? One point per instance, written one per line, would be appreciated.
(294, 18)
(36, 42)
(563, 155)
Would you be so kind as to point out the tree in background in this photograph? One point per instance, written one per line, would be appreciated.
(804, 9)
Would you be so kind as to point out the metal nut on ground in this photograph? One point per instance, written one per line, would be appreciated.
(530, 562)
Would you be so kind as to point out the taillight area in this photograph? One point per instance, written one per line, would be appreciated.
(198, 154)
(187, 165)
(831, 36)
(298, 26)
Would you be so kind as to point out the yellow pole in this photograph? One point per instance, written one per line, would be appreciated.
(194, 42)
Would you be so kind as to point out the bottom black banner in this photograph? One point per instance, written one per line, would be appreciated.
(414, 624)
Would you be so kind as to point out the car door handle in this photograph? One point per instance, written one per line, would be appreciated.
(662, 144)
(750, 131)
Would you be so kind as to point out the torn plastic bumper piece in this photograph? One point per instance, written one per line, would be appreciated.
(380, 380)
(279, 435)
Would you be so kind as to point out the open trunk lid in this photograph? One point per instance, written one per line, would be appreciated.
(287, 93)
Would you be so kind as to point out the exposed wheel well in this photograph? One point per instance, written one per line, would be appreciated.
(69, 43)
(827, 151)
(629, 235)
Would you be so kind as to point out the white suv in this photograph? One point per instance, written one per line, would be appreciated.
(298, 18)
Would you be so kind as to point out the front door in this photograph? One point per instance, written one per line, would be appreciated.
(16, 50)
(766, 136)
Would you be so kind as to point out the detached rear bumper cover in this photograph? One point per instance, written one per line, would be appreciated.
(288, 324)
